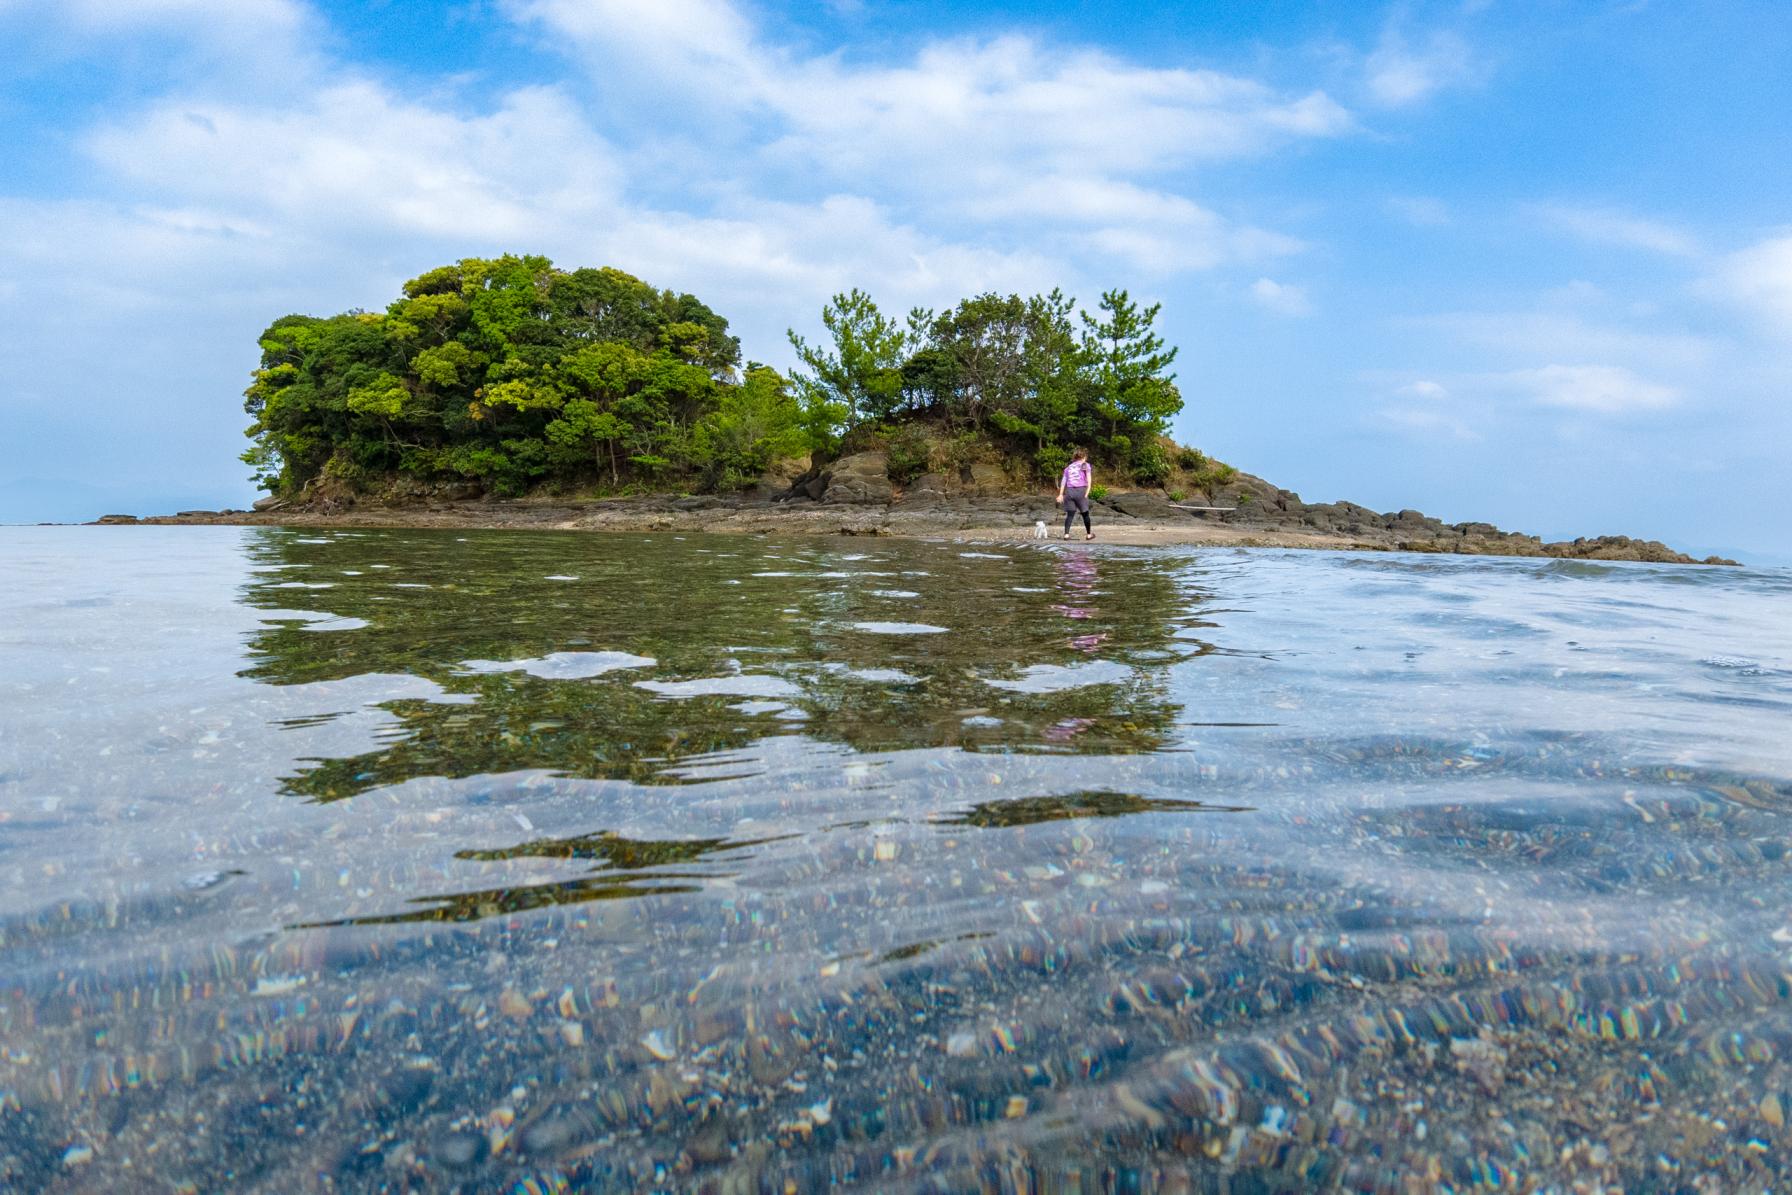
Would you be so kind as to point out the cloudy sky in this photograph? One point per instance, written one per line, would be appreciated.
(1520, 260)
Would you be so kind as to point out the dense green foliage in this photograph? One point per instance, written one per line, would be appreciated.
(1019, 372)
(509, 373)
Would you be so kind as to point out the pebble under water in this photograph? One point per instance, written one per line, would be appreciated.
(418, 860)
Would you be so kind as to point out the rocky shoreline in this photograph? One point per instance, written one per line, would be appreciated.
(855, 496)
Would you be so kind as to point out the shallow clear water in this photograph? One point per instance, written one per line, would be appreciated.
(419, 860)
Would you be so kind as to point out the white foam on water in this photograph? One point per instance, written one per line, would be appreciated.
(564, 665)
(750, 684)
(876, 676)
(760, 706)
(1056, 678)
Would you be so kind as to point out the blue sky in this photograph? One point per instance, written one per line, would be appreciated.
(1524, 262)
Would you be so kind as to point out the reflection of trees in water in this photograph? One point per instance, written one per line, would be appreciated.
(1029, 811)
(616, 858)
(699, 611)
(614, 851)
(498, 902)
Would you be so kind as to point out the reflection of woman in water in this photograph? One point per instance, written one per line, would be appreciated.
(1078, 577)
(1078, 581)
(1073, 492)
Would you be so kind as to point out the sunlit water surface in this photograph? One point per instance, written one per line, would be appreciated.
(419, 860)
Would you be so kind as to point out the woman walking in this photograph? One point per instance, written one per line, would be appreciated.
(1073, 492)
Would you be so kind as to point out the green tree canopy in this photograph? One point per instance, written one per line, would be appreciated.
(509, 373)
(860, 376)
(1002, 366)
(501, 371)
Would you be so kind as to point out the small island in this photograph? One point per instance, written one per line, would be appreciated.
(507, 392)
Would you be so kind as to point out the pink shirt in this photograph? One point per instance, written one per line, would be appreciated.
(1076, 475)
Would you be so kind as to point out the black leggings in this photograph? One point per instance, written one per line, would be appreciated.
(1076, 501)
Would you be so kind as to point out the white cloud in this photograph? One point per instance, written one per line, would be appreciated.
(359, 158)
(1011, 98)
(1608, 227)
(1016, 103)
(1759, 281)
(1600, 389)
(1400, 74)
(1426, 389)
(1280, 297)
(967, 128)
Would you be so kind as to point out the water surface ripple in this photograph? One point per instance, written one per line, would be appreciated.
(388, 860)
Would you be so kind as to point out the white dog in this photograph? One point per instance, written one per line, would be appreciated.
(1039, 531)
